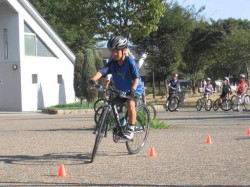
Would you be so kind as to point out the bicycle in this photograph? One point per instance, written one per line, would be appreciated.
(226, 104)
(241, 99)
(173, 102)
(205, 102)
(110, 107)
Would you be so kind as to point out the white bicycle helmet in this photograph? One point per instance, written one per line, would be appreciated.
(117, 42)
(226, 78)
(242, 76)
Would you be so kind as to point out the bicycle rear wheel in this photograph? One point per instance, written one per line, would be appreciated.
(247, 102)
(152, 111)
(199, 104)
(101, 128)
(208, 105)
(173, 104)
(141, 133)
(234, 102)
(226, 105)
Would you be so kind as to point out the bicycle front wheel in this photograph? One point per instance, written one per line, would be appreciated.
(216, 105)
(208, 105)
(101, 130)
(173, 104)
(141, 131)
(247, 102)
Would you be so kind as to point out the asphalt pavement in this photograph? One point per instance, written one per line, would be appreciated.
(33, 145)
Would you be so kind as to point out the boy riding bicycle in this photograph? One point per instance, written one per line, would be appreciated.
(241, 90)
(125, 75)
(173, 88)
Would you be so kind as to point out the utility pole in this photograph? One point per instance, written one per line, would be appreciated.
(153, 82)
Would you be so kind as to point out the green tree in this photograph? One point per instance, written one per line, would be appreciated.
(165, 45)
(72, 20)
(197, 52)
(78, 76)
(88, 70)
(133, 18)
(232, 55)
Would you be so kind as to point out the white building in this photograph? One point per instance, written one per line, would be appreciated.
(36, 67)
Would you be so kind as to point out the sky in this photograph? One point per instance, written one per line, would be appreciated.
(221, 9)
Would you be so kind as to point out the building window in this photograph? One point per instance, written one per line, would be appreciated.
(59, 79)
(34, 79)
(5, 38)
(34, 46)
(30, 45)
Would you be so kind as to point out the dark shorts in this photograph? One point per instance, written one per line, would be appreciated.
(124, 100)
(223, 95)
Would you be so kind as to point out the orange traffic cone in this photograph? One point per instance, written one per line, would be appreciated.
(248, 131)
(61, 172)
(152, 152)
(209, 141)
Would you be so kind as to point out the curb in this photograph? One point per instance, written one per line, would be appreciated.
(91, 111)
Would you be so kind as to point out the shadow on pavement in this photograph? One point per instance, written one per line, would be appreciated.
(47, 159)
(64, 129)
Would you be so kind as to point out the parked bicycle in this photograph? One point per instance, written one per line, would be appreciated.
(112, 106)
(241, 100)
(205, 102)
(226, 104)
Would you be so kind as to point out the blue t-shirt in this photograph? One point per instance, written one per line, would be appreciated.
(123, 76)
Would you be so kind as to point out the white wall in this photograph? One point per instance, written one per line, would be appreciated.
(10, 88)
(17, 93)
(47, 92)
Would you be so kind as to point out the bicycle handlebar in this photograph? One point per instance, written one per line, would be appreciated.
(119, 93)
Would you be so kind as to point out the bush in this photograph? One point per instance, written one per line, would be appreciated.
(156, 124)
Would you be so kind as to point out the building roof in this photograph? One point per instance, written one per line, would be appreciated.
(44, 25)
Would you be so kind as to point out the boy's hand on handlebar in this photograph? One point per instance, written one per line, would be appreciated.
(131, 93)
(92, 82)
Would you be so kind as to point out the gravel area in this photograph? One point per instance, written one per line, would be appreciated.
(33, 145)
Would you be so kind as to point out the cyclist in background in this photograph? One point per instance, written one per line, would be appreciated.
(241, 90)
(173, 87)
(125, 75)
(208, 88)
(225, 90)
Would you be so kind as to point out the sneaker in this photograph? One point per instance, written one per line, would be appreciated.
(129, 134)
(245, 110)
